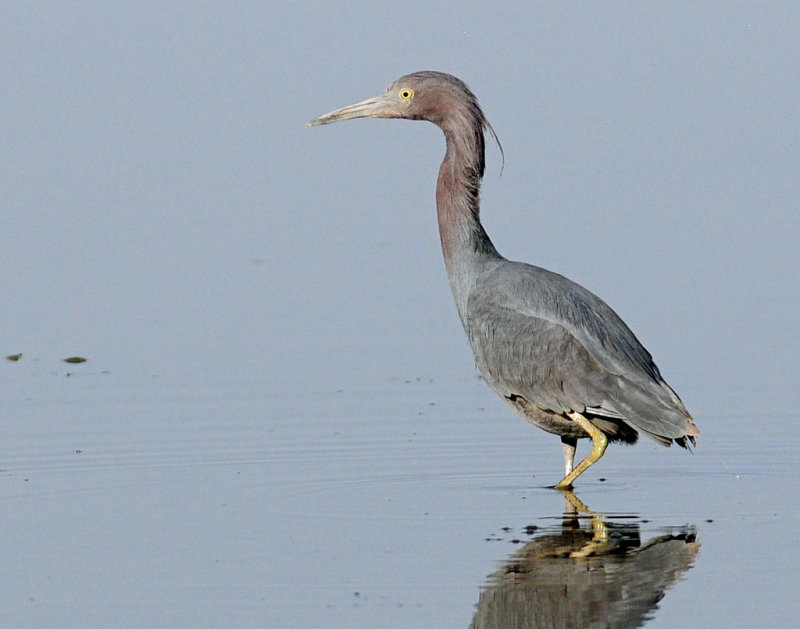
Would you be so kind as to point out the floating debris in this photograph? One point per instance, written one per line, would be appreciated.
(14, 357)
(75, 359)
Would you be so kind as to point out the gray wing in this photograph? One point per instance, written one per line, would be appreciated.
(541, 336)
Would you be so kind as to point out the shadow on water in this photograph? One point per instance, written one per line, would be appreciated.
(588, 571)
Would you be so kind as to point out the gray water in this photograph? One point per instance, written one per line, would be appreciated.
(279, 422)
(153, 502)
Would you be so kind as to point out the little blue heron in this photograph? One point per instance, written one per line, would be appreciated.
(557, 353)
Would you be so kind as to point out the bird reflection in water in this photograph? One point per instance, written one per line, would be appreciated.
(588, 571)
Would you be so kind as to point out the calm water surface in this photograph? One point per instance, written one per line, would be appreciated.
(144, 501)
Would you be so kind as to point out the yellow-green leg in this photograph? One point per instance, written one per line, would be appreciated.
(600, 441)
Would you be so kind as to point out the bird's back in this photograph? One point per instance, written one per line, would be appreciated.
(541, 336)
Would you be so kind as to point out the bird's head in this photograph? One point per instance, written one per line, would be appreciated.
(419, 96)
(435, 96)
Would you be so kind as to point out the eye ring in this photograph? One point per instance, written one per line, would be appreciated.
(406, 93)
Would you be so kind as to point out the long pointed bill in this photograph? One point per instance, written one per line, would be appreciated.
(376, 107)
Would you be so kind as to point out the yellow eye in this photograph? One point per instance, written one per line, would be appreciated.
(406, 93)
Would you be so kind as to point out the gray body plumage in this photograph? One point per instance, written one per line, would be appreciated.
(557, 353)
(544, 341)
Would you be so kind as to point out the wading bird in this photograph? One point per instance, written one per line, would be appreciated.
(557, 353)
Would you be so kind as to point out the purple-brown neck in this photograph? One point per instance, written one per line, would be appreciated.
(466, 246)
